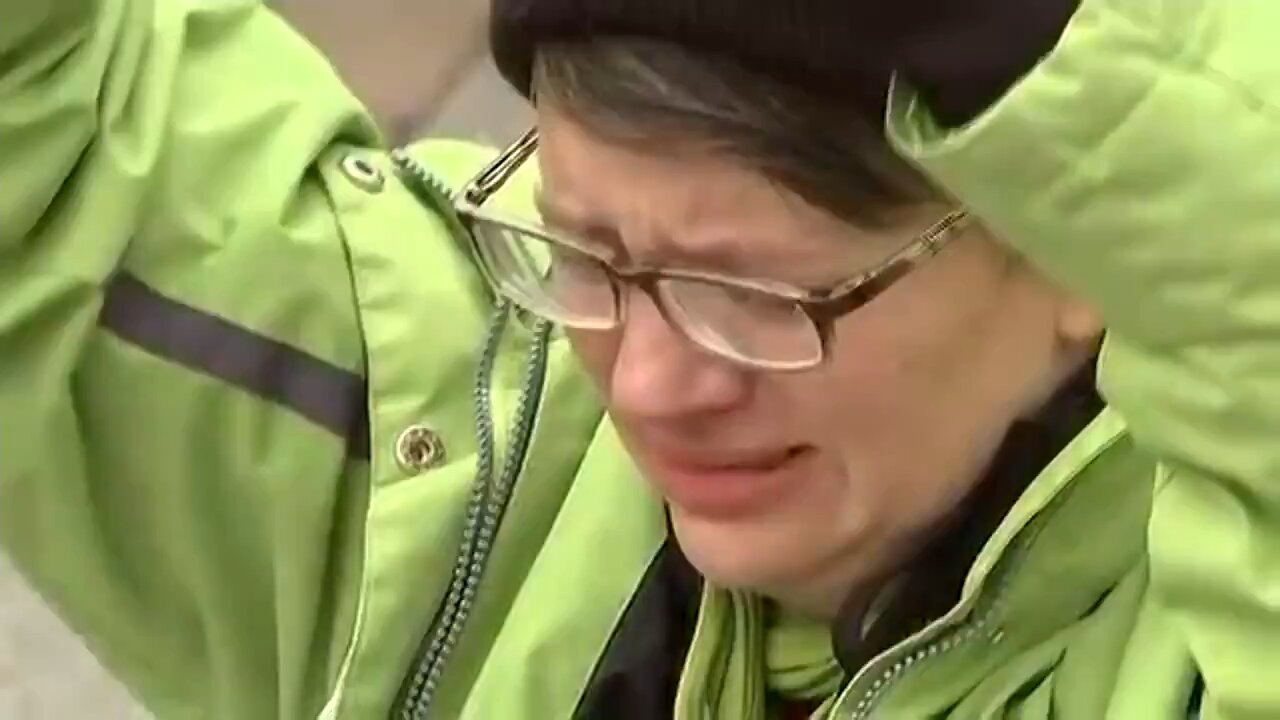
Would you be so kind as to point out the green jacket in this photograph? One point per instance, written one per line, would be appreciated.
(268, 443)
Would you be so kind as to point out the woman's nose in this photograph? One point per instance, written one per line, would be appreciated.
(660, 374)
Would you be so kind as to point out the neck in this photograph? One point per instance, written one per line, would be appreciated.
(931, 584)
(852, 581)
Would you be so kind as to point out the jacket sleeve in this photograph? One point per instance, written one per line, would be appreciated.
(1139, 164)
(51, 73)
(158, 181)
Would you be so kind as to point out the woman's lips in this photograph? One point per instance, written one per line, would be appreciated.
(727, 486)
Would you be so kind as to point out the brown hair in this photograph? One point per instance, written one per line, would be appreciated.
(831, 153)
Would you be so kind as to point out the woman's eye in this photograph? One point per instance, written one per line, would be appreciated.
(574, 269)
(749, 297)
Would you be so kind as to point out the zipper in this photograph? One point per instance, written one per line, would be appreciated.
(947, 640)
(428, 189)
(950, 632)
(490, 495)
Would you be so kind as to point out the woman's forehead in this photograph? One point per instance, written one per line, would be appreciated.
(583, 176)
(693, 206)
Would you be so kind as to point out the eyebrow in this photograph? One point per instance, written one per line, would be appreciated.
(717, 258)
(560, 219)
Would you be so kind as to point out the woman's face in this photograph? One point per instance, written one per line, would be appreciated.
(803, 486)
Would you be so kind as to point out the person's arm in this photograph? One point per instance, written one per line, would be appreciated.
(1139, 165)
(181, 364)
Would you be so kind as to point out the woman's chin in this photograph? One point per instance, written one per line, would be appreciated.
(735, 554)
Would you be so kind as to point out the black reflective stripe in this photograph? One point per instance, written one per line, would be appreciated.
(325, 394)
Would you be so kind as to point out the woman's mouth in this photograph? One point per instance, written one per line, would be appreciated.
(726, 485)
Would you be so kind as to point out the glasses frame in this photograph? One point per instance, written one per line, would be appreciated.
(823, 307)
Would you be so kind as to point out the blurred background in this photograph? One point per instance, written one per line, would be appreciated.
(422, 67)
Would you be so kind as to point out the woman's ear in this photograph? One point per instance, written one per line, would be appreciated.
(1079, 325)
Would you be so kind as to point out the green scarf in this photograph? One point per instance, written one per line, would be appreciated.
(742, 651)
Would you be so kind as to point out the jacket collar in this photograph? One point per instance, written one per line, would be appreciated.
(933, 581)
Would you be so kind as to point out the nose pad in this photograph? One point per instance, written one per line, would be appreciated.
(645, 334)
(636, 306)
(656, 309)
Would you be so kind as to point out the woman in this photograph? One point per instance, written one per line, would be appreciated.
(852, 462)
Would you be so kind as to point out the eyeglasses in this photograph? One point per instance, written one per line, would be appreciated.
(759, 324)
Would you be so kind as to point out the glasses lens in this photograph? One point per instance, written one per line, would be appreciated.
(744, 324)
(556, 281)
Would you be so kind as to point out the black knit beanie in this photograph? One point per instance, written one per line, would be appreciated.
(804, 44)
(961, 54)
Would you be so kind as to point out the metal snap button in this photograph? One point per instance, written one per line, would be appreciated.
(419, 449)
(363, 173)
